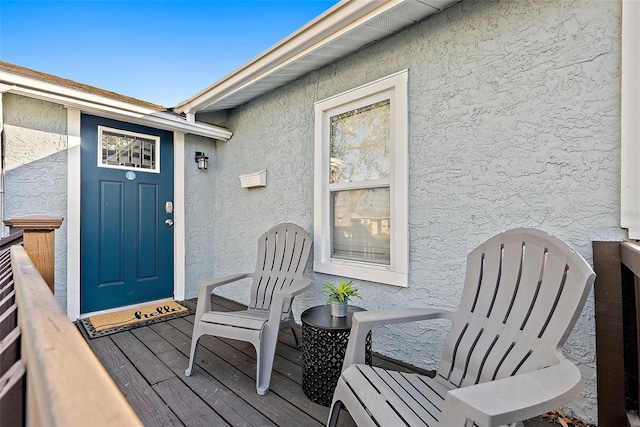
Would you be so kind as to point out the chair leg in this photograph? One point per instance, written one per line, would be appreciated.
(192, 354)
(334, 414)
(265, 355)
(263, 373)
(295, 336)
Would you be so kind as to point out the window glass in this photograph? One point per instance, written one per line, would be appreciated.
(126, 150)
(361, 226)
(360, 143)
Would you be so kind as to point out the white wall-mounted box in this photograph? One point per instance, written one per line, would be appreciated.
(256, 179)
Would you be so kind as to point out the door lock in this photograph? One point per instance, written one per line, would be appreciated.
(168, 207)
(169, 222)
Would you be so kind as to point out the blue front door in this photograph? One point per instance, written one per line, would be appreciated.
(126, 213)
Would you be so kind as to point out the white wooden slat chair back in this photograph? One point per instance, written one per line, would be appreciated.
(501, 362)
(283, 252)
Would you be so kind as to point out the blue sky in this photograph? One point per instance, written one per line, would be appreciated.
(161, 51)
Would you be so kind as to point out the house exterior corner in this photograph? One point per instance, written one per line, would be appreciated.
(514, 121)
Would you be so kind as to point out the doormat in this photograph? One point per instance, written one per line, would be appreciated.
(111, 323)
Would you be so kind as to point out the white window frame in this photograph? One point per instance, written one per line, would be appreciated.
(397, 271)
(155, 138)
(630, 119)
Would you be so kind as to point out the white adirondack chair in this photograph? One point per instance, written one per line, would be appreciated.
(283, 252)
(502, 360)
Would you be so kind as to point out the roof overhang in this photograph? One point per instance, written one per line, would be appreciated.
(140, 113)
(345, 28)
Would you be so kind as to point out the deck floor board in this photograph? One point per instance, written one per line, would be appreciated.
(191, 411)
(150, 407)
(147, 363)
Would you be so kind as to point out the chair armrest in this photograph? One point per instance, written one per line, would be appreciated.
(364, 321)
(277, 303)
(206, 288)
(214, 283)
(513, 399)
(297, 287)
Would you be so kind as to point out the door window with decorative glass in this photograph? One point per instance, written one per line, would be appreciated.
(122, 149)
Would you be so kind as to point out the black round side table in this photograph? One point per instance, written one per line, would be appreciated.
(324, 342)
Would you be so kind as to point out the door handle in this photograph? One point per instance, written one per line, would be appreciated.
(169, 222)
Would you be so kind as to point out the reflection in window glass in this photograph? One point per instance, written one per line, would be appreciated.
(361, 225)
(360, 143)
(124, 150)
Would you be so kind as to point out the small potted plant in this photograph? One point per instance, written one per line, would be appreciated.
(339, 297)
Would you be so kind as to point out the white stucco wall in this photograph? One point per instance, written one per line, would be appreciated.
(35, 156)
(514, 121)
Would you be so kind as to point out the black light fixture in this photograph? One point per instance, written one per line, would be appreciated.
(202, 160)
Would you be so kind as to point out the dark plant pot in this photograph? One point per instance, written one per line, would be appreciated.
(339, 309)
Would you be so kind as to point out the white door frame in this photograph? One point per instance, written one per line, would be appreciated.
(73, 214)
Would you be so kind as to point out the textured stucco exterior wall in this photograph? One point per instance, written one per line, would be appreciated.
(199, 214)
(514, 122)
(35, 156)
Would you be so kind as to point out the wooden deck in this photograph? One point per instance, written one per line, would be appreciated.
(148, 365)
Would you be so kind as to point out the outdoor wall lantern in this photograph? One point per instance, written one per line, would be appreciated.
(202, 160)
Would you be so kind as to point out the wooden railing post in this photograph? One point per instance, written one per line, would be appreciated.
(609, 334)
(39, 241)
(617, 304)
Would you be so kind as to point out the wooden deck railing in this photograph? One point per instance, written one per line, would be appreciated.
(617, 306)
(12, 370)
(48, 374)
(12, 239)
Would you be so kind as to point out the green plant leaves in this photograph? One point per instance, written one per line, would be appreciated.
(341, 292)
